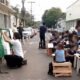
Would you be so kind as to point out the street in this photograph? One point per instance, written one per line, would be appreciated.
(37, 65)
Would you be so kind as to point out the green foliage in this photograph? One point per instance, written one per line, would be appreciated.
(28, 21)
(36, 24)
(16, 13)
(51, 16)
(24, 16)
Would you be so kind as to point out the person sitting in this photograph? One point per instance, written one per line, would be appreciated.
(70, 54)
(73, 39)
(59, 57)
(15, 60)
(78, 29)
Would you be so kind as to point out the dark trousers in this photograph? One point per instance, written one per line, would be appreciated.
(21, 35)
(42, 42)
(50, 71)
(13, 61)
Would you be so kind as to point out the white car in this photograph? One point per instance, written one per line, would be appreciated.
(28, 32)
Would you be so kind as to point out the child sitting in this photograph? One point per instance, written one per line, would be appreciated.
(59, 57)
(60, 54)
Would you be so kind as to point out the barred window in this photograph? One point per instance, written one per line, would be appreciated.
(4, 1)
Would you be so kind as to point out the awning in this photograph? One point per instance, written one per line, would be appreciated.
(5, 9)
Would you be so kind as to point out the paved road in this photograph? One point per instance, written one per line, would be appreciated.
(37, 66)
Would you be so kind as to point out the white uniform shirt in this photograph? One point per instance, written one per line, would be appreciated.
(17, 48)
(6, 48)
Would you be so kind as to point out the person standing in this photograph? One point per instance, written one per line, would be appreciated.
(20, 30)
(42, 36)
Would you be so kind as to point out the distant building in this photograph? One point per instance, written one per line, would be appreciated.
(61, 24)
(73, 15)
(5, 14)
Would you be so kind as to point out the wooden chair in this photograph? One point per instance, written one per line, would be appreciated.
(62, 69)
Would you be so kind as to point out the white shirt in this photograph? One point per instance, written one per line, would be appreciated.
(14, 29)
(6, 48)
(17, 48)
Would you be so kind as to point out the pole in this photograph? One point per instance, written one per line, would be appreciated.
(23, 11)
(31, 9)
(23, 3)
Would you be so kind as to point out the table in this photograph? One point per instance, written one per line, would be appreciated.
(50, 46)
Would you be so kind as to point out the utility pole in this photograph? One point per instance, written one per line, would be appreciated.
(23, 12)
(23, 1)
(31, 2)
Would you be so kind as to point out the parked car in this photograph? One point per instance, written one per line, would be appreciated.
(28, 32)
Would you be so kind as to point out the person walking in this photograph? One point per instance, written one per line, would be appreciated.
(42, 36)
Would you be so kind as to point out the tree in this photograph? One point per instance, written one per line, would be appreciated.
(22, 16)
(36, 24)
(51, 16)
(27, 19)
(63, 15)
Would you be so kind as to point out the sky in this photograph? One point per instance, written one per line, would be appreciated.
(40, 6)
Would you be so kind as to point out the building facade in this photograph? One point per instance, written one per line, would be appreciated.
(73, 15)
(5, 14)
(61, 25)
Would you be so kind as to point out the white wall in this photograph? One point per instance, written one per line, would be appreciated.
(4, 21)
(73, 12)
(70, 24)
(8, 22)
(2, 25)
(62, 23)
(13, 20)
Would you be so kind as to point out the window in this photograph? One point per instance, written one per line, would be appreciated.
(5, 21)
(2, 1)
(7, 3)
